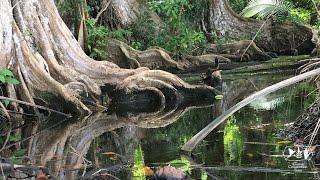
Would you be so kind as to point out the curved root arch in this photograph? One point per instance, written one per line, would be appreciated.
(54, 69)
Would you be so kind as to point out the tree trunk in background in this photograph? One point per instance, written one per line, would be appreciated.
(223, 21)
(54, 71)
(281, 38)
(127, 12)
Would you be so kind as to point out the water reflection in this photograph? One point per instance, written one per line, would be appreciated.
(64, 147)
(242, 148)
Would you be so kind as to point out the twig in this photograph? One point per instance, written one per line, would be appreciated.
(102, 10)
(315, 6)
(16, 4)
(314, 133)
(106, 174)
(85, 161)
(10, 124)
(2, 172)
(254, 37)
(32, 135)
(34, 105)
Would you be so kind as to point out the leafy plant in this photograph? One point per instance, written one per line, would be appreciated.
(6, 76)
(299, 15)
(176, 35)
(238, 5)
(265, 8)
(98, 38)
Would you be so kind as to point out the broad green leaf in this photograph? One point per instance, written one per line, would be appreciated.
(103, 56)
(26, 33)
(13, 138)
(5, 103)
(265, 8)
(11, 80)
(2, 78)
(20, 152)
(6, 72)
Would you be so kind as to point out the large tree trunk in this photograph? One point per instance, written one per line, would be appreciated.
(281, 38)
(54, 70)
(128, 11)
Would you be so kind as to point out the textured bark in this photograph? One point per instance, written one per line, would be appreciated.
(154, 58)
(35, 42)
(225, 22)
(281, 38)
(128, 11)
(239, 51)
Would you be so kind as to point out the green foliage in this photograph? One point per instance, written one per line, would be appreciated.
(176, 35)
(6, 76)
(143, 31)
(233, 142)
(265, 8)
(171, 10)
(238, 5)
(98, 36)
(138, 172)
(299, 15)
(183, 42)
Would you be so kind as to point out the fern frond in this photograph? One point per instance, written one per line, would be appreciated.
(264, 8)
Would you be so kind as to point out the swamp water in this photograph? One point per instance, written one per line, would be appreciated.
(244, 147)
(241, 148)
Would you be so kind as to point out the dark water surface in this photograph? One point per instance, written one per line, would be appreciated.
(244, 147)
(125, 141)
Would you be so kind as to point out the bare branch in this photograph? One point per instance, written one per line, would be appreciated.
(106, 4)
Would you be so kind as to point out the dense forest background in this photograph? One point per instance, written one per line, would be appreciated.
(178, 26)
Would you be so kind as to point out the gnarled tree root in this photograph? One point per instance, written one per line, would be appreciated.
(239, 51)
(154, 58)
(55, 72)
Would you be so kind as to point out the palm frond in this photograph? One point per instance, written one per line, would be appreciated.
(264, 8)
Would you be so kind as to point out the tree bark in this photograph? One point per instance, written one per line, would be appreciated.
(280, 38)
(35, 42)
(127, 12)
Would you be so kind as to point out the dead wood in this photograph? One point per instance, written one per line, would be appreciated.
(155, 57)
(237, 51)
(277, 37)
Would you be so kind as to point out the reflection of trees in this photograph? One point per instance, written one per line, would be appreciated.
(233, 92)
(233, 142)
(53, 145)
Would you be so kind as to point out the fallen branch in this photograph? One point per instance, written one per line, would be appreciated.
(189, 146)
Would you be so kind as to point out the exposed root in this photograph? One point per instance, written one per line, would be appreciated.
(54, 70)
(238, 51)
(127, 57)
